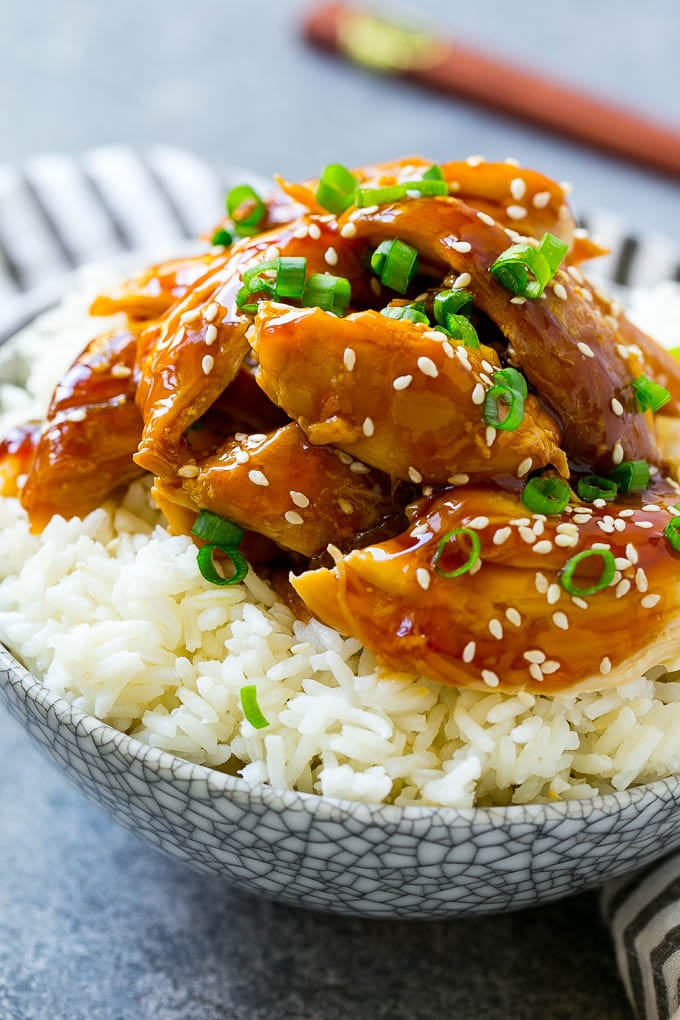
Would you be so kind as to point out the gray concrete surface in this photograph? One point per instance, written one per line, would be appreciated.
(94, 925)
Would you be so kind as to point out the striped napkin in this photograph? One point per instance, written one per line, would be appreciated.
(59, 213)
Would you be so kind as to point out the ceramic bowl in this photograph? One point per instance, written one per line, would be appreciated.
(349, 858)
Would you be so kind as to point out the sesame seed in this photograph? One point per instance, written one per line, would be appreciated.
(210, 312)
(605, 665)
(582, 518)
(469, 651)
(191, 315)
(560, 620)
(368, 428)
(575, 273)
(359, 468)
(348, 230)
(314, 231)
(496, 629)
(415, 475)
(516, 212)
(538, 527)
(501, 536)
(210, 335)
(490, 435)
(551, 666)
(600, 545)
(370, 209)
(560, 291)
(258, 478)
(535, 655)
(343, 457)
(330, 256)
(617, 453)
(541, 582)
(434, 334)
(188, 471)
(619, 525)
(643, 524)
(518, 300)
(207, 364)
(121, 371)
(256, 437)
(490, 678)
(520, 521)
(541, 199)
(423, 578)
(241, 456)
(651, 508)
(349, 358)
(478, 523)
(621, 563)
(566, 541)
(447, 348)
(524, 467)
(599, 503)
(478, 394)
(302, 232)
(553, 594)
(518, 187)
(345, 506)
(566, 528)
(462, 246)
(460, 479)
(631, 553)
(622, 588)
(641, 582)
(475, 160)
(543, 548)
(587, 294)
(649, 601)
(527, 535)
(606, 527)
(402, 382)
(535, 671)
(585, 349)
(513, 617)
(616, 406)
(485, 218)
(427, 367)
(292, 517)
(299, 498)
(512, 161)
(461, 281)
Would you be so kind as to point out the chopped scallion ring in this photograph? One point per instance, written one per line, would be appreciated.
(460, 328)
(546, 495)
(411, 313)
(221, 237)
(435, 173)
(606, 575)
(513, 266)
(336, 188)
(593, 487)
(396, 263)
(243, 302)
(219, 530)
(206, 565)
(631, 475)
(672, 533)
(332, 293)
(650, 396)
(396, 192)
(512, 378)
(246, 209)
(288, 281)
(452, 302)
(472, 558)
(514, 402)
(290, 277)
(251, 709)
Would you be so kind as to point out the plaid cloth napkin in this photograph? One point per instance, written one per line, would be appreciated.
(58, 213)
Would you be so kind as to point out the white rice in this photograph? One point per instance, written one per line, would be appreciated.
(113, 613)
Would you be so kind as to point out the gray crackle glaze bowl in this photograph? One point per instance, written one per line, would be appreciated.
(350, 858)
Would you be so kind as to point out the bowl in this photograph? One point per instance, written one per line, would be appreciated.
(339, 856)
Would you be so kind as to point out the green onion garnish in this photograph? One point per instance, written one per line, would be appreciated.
(288, 281)
(397, 192)
(512, 378)
(650, 396)
(514, 403)
(219, 530)
(605, 579)
(206, 565)
(672, 533)
(332, 293)
(251, 709)
(246, 209)
(513, 266)
(336, 188)
(460, 328)
(472, 558)
(290, 276)
(396, 263)
(452, 302)
(221, 237)
(435, 173)
(631, 475)
(546, 495)
(411, 313)
(593, 487)
(225, 536)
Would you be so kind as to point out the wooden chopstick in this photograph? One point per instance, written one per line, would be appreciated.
(456, 69)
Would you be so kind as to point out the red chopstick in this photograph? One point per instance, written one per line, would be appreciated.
(456, 69)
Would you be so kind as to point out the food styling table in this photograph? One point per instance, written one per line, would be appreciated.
(94, 924)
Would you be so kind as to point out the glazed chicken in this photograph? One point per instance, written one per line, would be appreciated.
(396, 385)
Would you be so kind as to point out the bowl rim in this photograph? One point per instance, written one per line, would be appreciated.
(174, 767)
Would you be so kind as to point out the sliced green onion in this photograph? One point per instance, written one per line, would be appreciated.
(246, 209)
(512, 378)
(288, 281)
(472, 558)
(631, 475)
(244, 295)
(460, 328)
(290, 276)
(219, 530)
(251, 709)
(206, 565)
(221, 237)
(336, 188)
(332, 293)
(259, 269)
(672, 533)
(513, 266)
(594, 487)
(650, 396)
(412, 313)
(397, 192)
(396, 263)
(546, 495)
(452, 302)
(605, 579)
(514, 402)
(435, 173)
